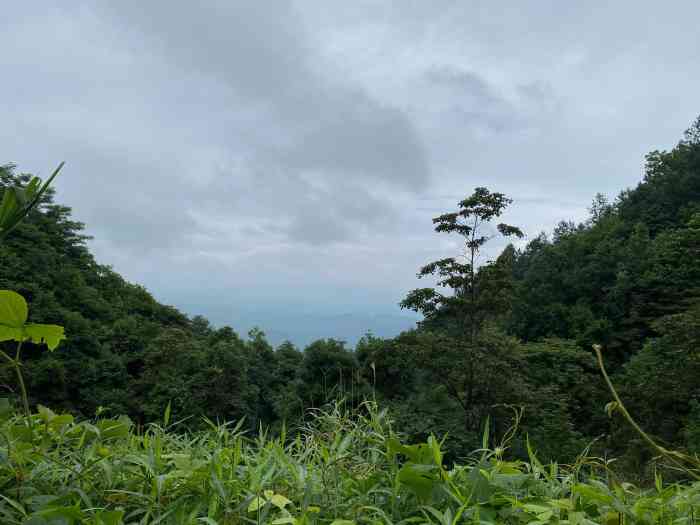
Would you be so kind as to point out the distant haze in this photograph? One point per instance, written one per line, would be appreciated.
(303, 329)
(278, 163)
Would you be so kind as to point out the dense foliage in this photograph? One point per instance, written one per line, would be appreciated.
(513, 332)
(341, 468)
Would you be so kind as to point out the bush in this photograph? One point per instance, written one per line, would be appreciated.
(343, 467)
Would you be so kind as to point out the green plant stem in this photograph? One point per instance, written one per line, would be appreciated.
(23, 387)
(646, 437)
(16, 364)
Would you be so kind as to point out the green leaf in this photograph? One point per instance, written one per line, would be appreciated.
(110, 517)
(114, 428)
(437, 453)
(166, 416)
(13, 309)
(591, 493)
(10, 333)
(50, 334)
(46, 414)
(485, 436)
(284, 521)
(8, 208)
(419, 478)
(18, 202)
(256, 504)
(279, 501)
(14, 326)
(37, 194)
(421, 453)
(61, 421)
(18, 506)
(31, 188)
(64, 514)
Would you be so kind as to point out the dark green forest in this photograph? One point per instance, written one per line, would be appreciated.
(514, 332)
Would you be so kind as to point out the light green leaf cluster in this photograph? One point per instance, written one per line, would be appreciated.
(14, 326)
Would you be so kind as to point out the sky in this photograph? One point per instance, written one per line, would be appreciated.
(278, 163)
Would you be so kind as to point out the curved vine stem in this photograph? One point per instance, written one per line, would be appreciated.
(672, 456)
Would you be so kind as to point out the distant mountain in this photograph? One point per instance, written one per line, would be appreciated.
(303, 328)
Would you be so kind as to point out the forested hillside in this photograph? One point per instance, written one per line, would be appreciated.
(514, 332)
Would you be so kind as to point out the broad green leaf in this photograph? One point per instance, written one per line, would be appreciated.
(50, 334)
(10, 333)
(435, 446)
(110, 517)
(279, 501)
(46, 414)
(70, 514)
(284, 521)
(343, 522)
(421, 453)
(256, 504)
(13, 309)
(481, 488)
(590, 493)
(543, 513)
(419, 478)
(61, 421)
(535, 509)
(114, 428)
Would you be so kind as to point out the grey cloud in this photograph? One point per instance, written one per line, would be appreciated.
(258, 48)
(174, 94)
(360, 138)
(244, 154)
(474, 102)
(262, 54)
(295, 207)
(465, 82)
(321, 218)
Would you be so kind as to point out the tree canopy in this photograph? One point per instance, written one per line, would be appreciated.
(514, 332)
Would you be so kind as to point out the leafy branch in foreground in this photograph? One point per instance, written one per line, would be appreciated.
(14, 327)
(17, 202)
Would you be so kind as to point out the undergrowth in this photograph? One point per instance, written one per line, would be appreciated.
(344, 467)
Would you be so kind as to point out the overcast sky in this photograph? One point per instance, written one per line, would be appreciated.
(278, 162)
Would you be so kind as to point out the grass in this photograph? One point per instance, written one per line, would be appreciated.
(343, 467)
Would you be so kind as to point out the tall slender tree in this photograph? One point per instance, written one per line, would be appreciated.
(461, 274)
(475, 297)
